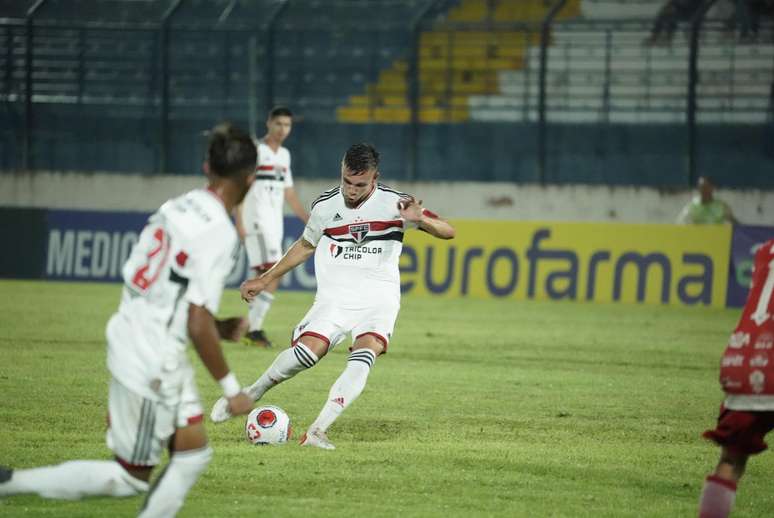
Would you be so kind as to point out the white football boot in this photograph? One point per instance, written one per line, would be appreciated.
(220, 411)
(316, 438)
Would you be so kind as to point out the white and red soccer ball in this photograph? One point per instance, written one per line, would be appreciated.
(268, 425)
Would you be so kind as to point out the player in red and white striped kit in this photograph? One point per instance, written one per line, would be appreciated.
(747, 377)
(355, 232)
(260, 219)
(173, 281)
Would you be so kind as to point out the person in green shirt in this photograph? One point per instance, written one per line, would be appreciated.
(704, 208)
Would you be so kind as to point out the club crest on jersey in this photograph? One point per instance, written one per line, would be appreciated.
(359, 231)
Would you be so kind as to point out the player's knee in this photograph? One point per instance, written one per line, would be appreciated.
(732, 464)
(129, 481)
(193, 461)
(371, 342)
(317, 346)
(142, 473)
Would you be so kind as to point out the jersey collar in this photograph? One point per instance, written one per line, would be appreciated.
(215, 195)
(368, 197)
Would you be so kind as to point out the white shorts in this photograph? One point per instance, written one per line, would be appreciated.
(332, 324)
(263, 249)
(139, 428)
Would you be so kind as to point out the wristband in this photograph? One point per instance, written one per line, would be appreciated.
(230, 385)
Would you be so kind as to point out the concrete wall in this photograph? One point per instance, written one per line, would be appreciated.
(499, 201)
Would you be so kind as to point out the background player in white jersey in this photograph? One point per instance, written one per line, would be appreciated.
(355, 232)
(747, 377)
(261, 216)
(173, 282)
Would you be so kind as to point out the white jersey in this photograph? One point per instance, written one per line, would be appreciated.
(356, 260)
(262, 210)
(182, 257)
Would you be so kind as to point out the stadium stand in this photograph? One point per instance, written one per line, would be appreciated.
(455, 62)
(330, 50)
(603, 72)
(613, 103)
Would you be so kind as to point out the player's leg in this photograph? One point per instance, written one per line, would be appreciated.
(259, 308)
(311, 340)
(740, 434)
(263, 250)
(719, 491)
(190, 454)
(370, 341)
(304, 354)
(345, 389)
(74, 480)
(131, 423)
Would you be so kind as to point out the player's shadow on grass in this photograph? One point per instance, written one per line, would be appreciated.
(374, 430)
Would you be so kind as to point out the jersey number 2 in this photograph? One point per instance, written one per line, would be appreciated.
(147, 274)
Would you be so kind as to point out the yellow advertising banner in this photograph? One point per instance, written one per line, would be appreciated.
(595, 262)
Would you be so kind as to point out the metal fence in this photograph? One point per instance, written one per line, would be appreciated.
(554, 99)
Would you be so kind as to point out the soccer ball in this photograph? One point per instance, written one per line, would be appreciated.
(268, 425)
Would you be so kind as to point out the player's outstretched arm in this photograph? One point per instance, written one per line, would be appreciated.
(412, 210)
(204, 335)
(298, 252)
(295, 204)
(238, 220)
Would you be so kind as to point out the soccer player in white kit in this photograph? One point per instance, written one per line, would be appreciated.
(355, 232)
(173, 282)
(260, 219)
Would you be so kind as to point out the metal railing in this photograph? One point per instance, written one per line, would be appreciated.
(555, 83)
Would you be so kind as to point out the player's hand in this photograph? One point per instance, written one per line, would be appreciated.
(232, 329)
(410, 209)
(240, 404)
(252, 287)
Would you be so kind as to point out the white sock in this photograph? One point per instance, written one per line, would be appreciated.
(74, 480)
(287, 364)
(717, 498)
(167, 495)
(259, 307)
(347, 388)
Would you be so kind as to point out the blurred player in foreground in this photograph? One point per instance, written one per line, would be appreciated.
(355, 232)
(260, 220)
(173, 283)
(747, 377)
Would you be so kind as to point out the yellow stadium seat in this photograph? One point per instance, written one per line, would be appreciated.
(454, 64)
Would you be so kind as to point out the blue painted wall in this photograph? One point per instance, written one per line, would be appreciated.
(69, 137)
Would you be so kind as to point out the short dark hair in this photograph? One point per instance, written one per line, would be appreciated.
(361, 157)
(280, 111)
(230, 151)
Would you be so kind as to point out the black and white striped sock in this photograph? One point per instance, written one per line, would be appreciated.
(287, 364)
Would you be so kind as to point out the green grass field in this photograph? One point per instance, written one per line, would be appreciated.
(481, 408)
